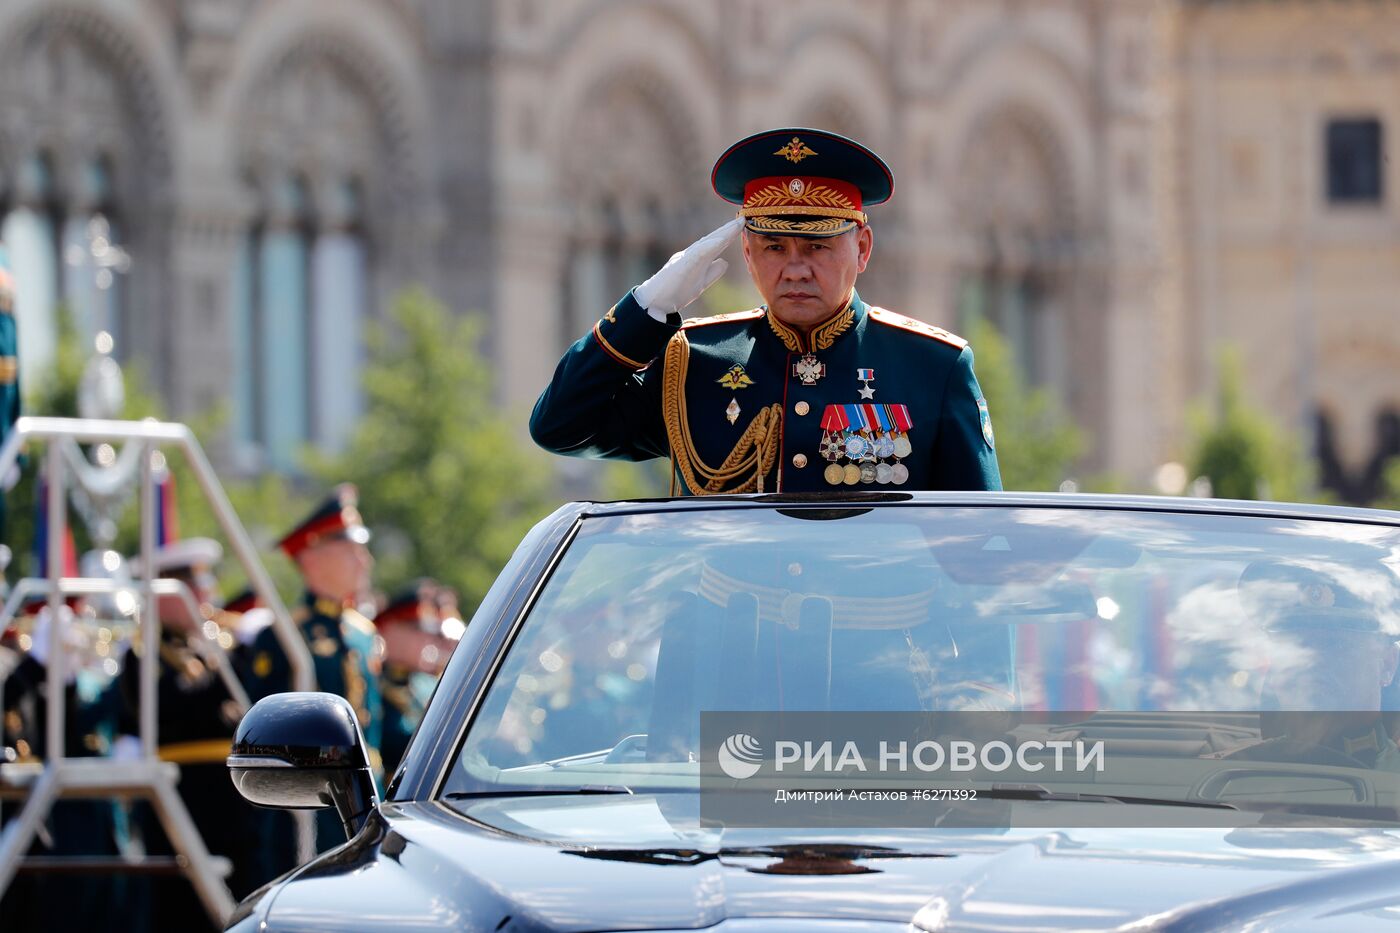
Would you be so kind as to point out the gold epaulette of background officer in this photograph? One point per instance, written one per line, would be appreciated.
(357, 621)
(912, 325)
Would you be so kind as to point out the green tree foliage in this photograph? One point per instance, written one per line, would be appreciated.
(1241, 452)
(1389, 497)
(1037, 444)
(447, 483)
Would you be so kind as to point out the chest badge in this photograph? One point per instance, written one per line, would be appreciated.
(735, 378)
(865, 377)
(809, 369)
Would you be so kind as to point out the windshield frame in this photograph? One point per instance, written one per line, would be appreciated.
(472, 681)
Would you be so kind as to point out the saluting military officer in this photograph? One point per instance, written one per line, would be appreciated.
(815, 390)
(330, 550)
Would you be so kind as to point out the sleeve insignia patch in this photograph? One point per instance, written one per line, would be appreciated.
(611, 316)
(986, 417)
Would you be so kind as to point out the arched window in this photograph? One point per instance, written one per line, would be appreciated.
(632, 209)
(81, 162)
(1016, 236)
(302, 277)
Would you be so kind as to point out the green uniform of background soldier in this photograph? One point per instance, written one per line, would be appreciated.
(329, 549)
(9, 365)
(816, 390)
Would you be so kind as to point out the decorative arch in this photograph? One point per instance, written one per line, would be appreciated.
(123, 49)
(1018, 234)
(371, 48)
(668, 62)
(854, 100)
(87, 158)
(634, 184)
(328, 132)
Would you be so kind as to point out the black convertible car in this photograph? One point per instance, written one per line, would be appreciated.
(1235, 663)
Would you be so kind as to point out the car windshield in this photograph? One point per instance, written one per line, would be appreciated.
(650, 619)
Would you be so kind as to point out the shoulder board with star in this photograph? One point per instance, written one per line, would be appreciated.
(750, 315)
(915, 326)
(356, 621)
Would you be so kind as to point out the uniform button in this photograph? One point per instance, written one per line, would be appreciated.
(799, 460)
(802, 408)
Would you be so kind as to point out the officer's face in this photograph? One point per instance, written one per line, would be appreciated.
(804, 280)
(1330, 669)
(337, 569)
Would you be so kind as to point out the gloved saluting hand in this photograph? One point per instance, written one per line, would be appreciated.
(688, 273)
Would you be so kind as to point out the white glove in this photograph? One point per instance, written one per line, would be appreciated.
(688, 273)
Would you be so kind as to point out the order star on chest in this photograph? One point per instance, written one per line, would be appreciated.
(808, 369)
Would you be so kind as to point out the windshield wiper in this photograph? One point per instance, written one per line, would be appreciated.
(538, 792)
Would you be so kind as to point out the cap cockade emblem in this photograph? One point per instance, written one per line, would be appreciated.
(795, 151)
(735, 378)
(796, 186)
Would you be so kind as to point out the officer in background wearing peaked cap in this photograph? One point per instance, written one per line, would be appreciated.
(816, 389)
(329, 548)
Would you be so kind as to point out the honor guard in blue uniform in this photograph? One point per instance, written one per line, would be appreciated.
(329, 549)
(197, 715)
(9, 368)
(815, 390)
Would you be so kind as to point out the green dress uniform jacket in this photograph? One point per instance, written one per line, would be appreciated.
(346, 660)
(403, 710)
(9, 372)
(742, 403)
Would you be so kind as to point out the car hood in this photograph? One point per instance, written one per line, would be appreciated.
(520, 864)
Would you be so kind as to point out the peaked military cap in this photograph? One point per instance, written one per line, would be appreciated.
(242, 601)
(337, 518)
(801, 182)
(196, 554)
(1287, 597)
(406, 605)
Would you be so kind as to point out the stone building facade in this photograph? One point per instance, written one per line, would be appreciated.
(1122, 186)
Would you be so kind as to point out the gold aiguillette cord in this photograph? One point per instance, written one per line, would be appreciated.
(753, 455)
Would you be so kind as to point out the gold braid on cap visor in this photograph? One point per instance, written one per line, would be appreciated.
(773, 208)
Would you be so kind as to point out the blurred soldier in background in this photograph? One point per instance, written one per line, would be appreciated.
(329, 549)
(44, 901)
(198, 710)
(411, 651)
(9, 381)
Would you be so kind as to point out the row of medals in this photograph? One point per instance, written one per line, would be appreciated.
(866, 455)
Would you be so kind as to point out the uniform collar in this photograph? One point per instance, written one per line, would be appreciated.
(822, 336)
(323, 606)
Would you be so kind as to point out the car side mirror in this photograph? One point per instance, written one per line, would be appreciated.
(304, 751)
